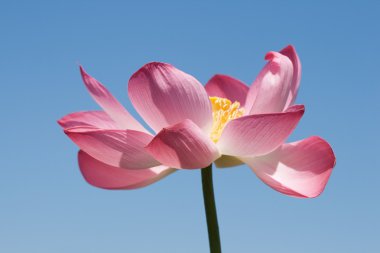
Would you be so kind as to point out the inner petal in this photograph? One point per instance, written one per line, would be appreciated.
(223, 111)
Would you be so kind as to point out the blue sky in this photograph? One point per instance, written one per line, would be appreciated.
(46, 206)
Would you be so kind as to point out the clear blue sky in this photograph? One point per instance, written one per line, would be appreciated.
(46, 206)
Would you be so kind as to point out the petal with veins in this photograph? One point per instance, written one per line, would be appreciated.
(227, 87)
(110, 104)
(183, 145)
(291, 53)
(105, 176)
(258, 134)
(118, 148)
(299, 169)
(270, 91)
(164, 96)
(96, 119)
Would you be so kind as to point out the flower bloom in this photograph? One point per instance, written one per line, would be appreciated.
(225, 122)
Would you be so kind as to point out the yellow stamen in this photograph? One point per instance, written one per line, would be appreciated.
(223, 111)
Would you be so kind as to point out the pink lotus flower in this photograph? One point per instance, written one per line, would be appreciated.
(225, 122)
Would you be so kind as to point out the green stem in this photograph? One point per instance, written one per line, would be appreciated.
(210, 208)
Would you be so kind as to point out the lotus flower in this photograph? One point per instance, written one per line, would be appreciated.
(225, 122)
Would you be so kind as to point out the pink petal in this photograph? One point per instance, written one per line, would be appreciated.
(270, 91)
(299, 169)
(183, 145)
(118, 148)
(258, 134)
(105, 176)
(227, 87)
(110, 104)
(291, 53)
(96, 119)
(164, 96)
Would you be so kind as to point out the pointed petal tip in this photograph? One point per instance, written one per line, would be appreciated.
(86, 78)
(288, 49)
(60, 122)
(82, 71)
(109, 103)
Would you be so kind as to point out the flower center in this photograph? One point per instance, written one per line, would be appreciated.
(223, 111)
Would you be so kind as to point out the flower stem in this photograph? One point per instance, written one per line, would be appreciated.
(210, 208)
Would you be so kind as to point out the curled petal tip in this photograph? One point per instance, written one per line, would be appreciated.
(270, 55)
(276, 60)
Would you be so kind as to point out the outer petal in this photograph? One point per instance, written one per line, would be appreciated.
(105, 176)
(299, 169)
(110, 104)
(291, 53)
(227, 87)
(183, 145)
(164, 95)
(270, 91)
(96, 119)
(258, 134)
(118, 148)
